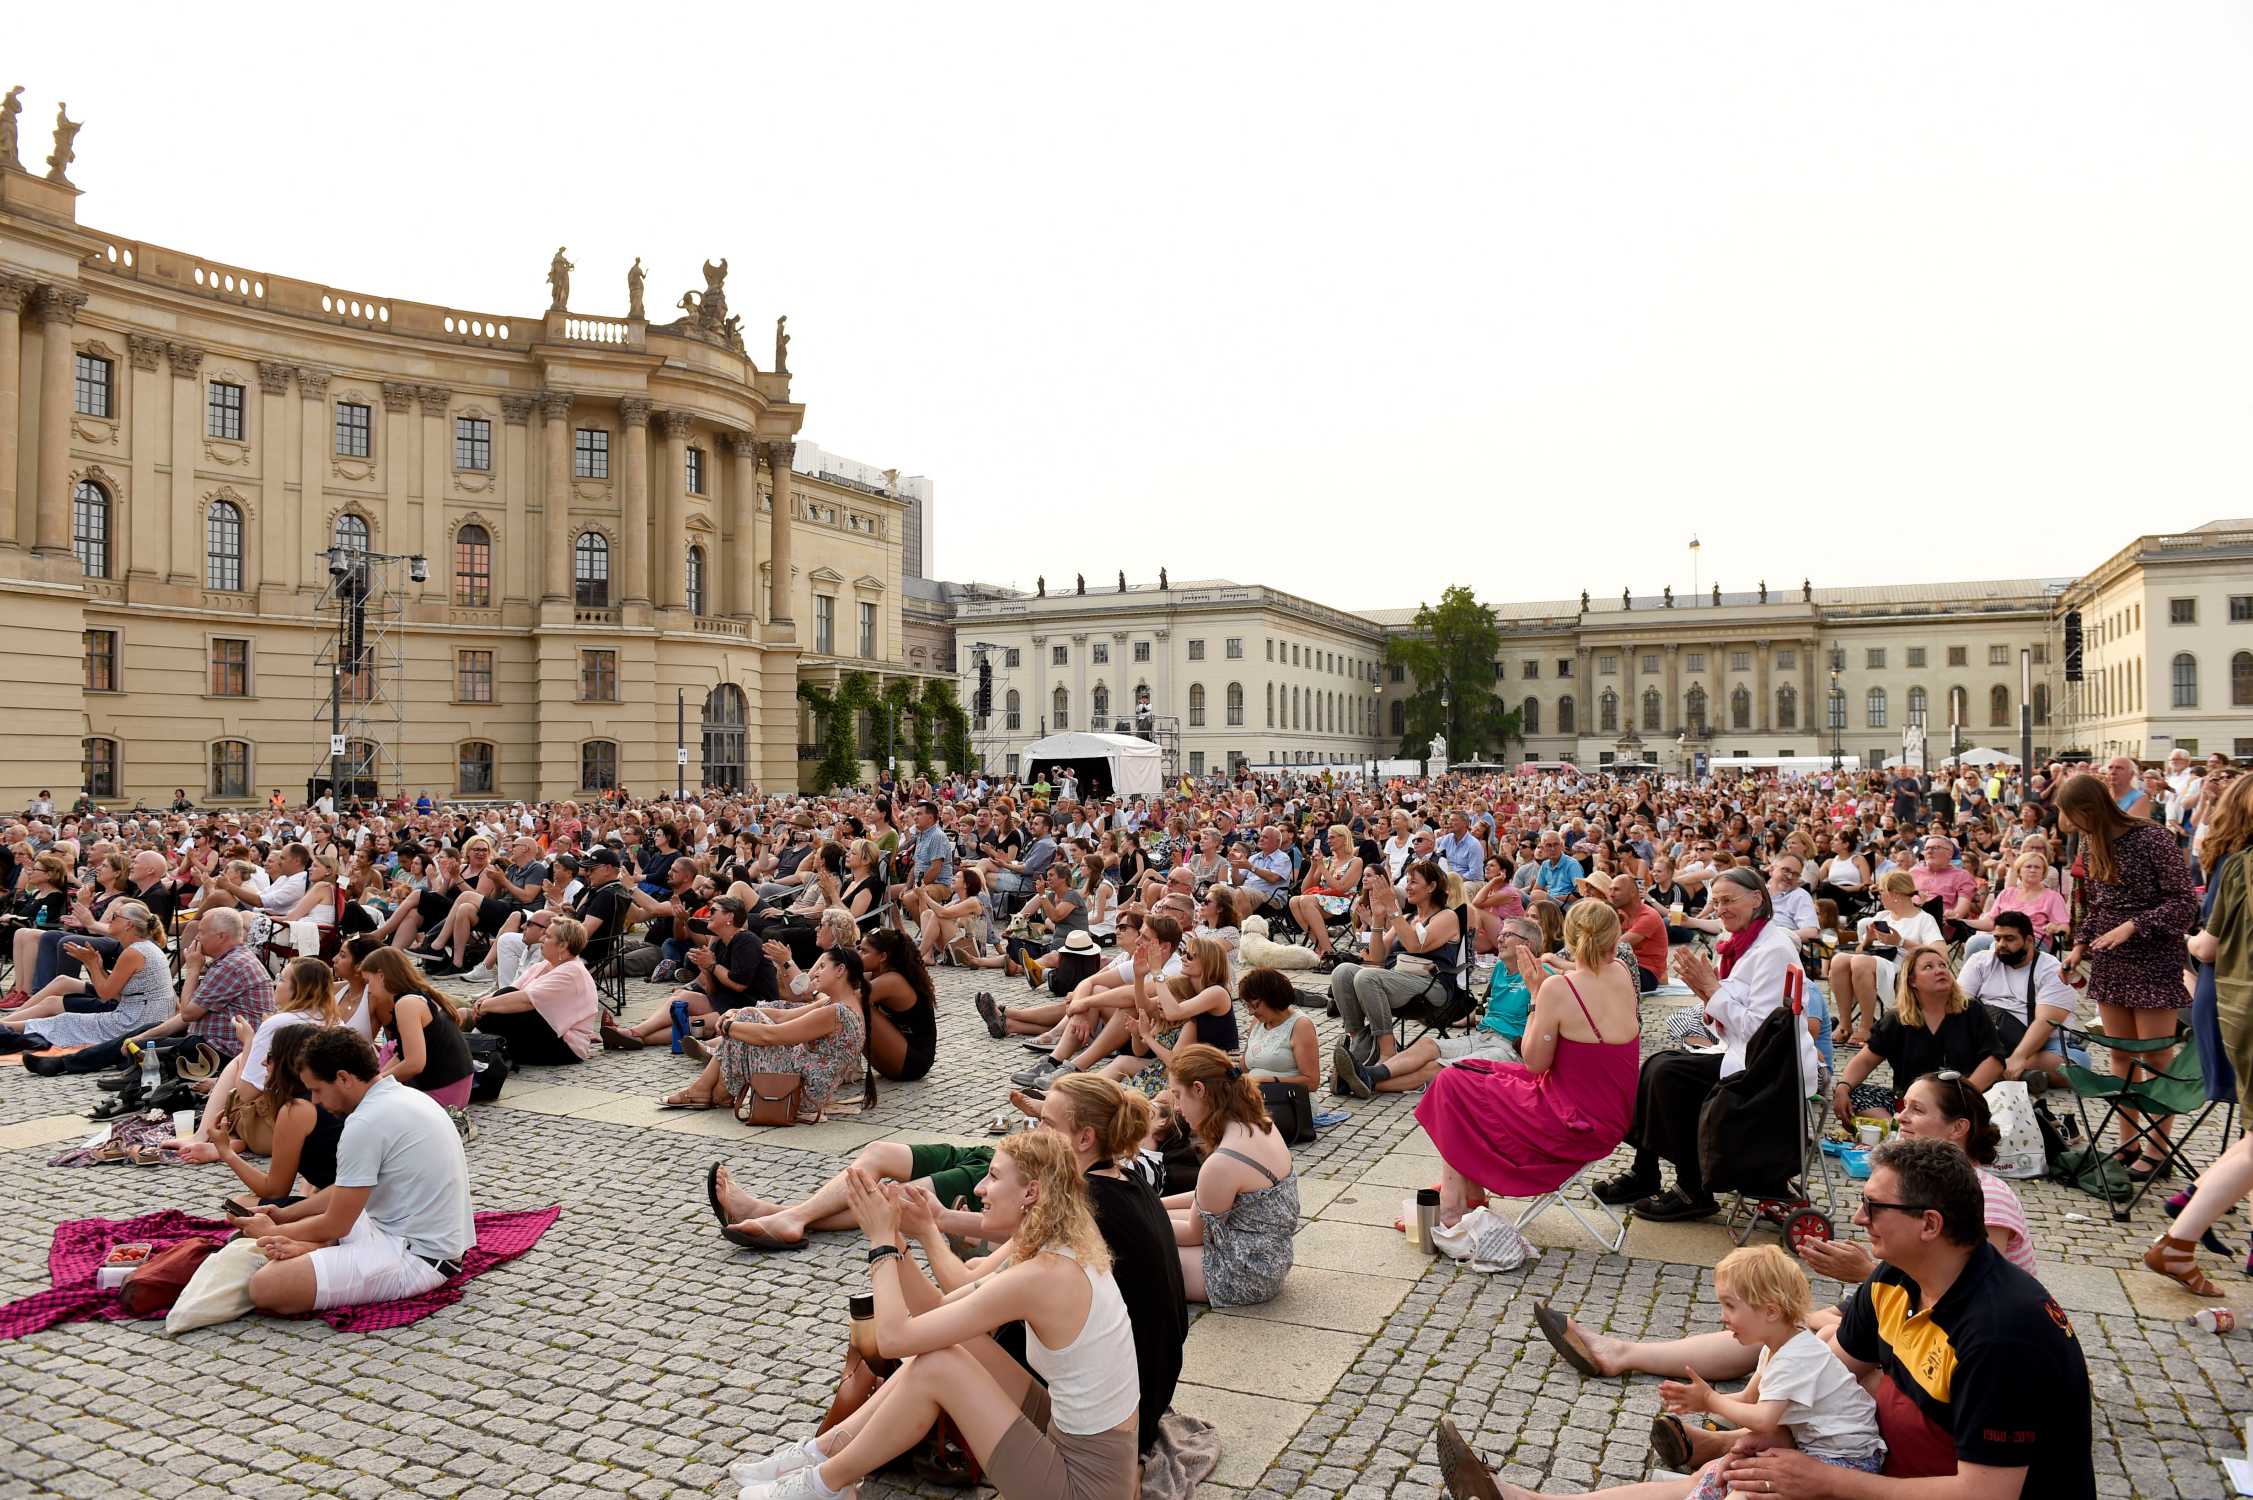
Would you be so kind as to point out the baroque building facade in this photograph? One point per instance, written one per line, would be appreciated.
(571, 533)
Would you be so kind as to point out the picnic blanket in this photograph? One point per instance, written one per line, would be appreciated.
(80, 1246)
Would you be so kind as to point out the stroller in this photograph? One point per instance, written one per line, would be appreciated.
(1760, 1135)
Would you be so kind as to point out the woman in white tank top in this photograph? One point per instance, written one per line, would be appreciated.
(1075, 1438)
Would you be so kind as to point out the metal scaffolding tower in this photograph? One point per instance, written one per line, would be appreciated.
(365, 661)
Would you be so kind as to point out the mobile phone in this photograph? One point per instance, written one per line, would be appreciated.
(232, 1209)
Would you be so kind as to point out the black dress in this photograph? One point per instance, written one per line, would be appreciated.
(1965, 1039)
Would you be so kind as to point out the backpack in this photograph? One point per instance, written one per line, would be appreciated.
(489, 1063)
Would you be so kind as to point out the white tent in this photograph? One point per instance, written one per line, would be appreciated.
(1107, 764)
(1986, 757)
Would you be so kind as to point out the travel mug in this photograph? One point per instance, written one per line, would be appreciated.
(1427, 1218)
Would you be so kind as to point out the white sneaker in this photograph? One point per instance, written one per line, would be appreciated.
(798, 1484)
(482, 974)
(775, 1466)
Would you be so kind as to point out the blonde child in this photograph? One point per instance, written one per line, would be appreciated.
(1799, 1394)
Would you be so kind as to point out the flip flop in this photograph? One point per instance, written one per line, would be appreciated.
(1466, 1474)
(751, 1240)
(685, 1104)
(712, 1193)
(1556, 1328)
(1670, 1443)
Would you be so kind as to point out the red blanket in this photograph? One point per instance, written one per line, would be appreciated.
(80, 1246)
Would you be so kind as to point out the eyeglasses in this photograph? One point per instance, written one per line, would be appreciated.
(1874, 1206)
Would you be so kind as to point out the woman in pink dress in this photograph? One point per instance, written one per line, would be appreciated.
(1522, 1129)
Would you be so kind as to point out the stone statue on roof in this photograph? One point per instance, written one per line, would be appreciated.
(1670, 596)
(1763, 591)
(1806, 592)
(10, 108)
(1584, 601)
(559, 282)
(1122, 580)
(1040, 587)
(1626, 600)
(1161, 580)
(1079, 583)
(782, 345)
(1717, 595)
(634, 279)
(66, 148)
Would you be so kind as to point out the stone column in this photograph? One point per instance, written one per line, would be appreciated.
(782, 519)
(437, 457)
(633, 437)
(316, 443)
(555, 495)
(57, 311)
(150, 535)
(15, 291)
(1807, 699)
(672, 521)
(1583, 693)
(401, 457)
(743, 541)
(185, 563)
(513, 550)
(1764, 706)
(1672, 720)
(276, 557)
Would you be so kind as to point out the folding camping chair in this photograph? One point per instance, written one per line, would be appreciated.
(1603, 1220)
(1447, 1000)
(2154, 1094)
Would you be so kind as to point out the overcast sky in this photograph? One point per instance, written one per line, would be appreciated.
(1354, 301)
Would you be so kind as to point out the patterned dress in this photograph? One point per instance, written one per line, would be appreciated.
(826, 1064)
(1248, 1249)
(2152, 889)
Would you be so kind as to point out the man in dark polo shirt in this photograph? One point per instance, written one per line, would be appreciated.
(1980, 1379)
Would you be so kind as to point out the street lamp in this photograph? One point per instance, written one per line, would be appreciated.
(1838, 722)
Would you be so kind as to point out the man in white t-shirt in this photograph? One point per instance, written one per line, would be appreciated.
(396, 1222)
(2027, 991)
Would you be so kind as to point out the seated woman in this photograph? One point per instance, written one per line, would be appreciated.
(1102, 897)
(1076, 1436)
(903, 1014)
(117, 999)
(952, 926)
(1217, 919)
(861, 892)
(422, 1024)
(1845, 874)
(1333, 876)
(1933, 1025)
(1936, 1107)
(1520, 1129)
(303, 1136)
(1497, 1037)
(1280, 1045)
(824, 1041)
(1858, 978)
(39, 907)
(1235, 1230)
(1421, 947)
(1495, 901)
(305, 995)
(1193, 1007)
(548, 1020)
(2030, 893)
(793, 984)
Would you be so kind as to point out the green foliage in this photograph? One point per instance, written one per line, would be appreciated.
(835, 715)
(941, 717)
(1449, 653)
(893, 709)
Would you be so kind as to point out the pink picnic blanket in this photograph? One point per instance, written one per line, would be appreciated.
(81, 1245)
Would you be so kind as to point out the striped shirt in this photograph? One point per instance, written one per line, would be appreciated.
(2005, 1213)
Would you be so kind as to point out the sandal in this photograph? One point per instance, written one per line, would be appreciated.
(712, 1192)
(1557, 1329)
(675, 1101)
(2177, 1260)
(752, 1239)
(2148, 1167)
(1670, 1443)
(1467, 1475)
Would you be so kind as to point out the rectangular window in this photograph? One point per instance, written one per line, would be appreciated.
(1295, 655)
(2182, 611)
(1196, 650)
(1271, 649)
(473, 444)
(223, 411)
(1141, 650)
(2041, 657)
(1694, 661)
(473, 676)
(1012, 657)
(1874, 658)
(473, 769)
(1650, 664)
(1196, 762)
(1916, 658)
(1607, 664)
(95, 395)
(598, 765)
(230, 668)
(1958, 655)
(868, 632)
(1397, 672)
(1529, 669)
(1787, 661)
(230, 768)
(2241, 608)
(352, 430)
(1998, 656)
(590, 454)
(2187, 746)
(1102, 654)
(695, 476)
(598, 677)
(1564, 666)
(101, 660)
(1235, 648)
(100, 762)
(825, 624)
(1740, 661)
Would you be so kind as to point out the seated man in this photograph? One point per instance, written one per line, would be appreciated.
(1100, 1024)
(1062, 909)
(1262, 877)
(2026, 990)
(396, 1222)
(732, 971)
(512, 947)
(1037, 1018)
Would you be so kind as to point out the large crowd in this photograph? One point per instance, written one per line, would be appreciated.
(1889, 945)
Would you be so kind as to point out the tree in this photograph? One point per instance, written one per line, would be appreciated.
(1449, 652)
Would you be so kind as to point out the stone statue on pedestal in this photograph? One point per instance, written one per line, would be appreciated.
(559, 282)
(634, 279)
(1079, 583)
(1717, 596)
(1626, 600)
(10, 109)
(66, 148)
(712, 310)
(1670, 596)
(1122, 580)
(1584, 601)
(1040, 587)
(1161, 580)
(1763, 591)
(1806, 592)
(782, 345)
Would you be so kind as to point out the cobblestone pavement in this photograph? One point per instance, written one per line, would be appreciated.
(634, 1353)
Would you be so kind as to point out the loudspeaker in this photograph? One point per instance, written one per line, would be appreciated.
(2072, 645)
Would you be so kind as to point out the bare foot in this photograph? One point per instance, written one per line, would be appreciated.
(736, 1203)
(1026, 1105)
(779, 1227)
(1604, 1351)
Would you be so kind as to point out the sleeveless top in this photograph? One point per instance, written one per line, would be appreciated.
(1444, 957)
(1092, 1381)
(316, 1159)
(1217, 1029)
(445, 1051)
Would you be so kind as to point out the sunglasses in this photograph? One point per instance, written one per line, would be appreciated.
(1871, 1207)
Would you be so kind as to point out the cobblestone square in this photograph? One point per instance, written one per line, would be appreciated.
(632, 1352)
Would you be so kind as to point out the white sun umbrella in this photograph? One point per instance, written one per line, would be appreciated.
(1986, 757)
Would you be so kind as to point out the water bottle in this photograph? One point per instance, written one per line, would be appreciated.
(681, 1024)
(2214, 1319)
(149, 1078)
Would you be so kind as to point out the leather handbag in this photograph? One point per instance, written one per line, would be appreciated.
(771, 1099)
(252, 1121)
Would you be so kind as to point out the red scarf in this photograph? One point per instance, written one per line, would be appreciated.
(1737, 944)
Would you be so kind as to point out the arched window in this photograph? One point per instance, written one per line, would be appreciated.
(2241, 680)
(351, 533)
(1271, 705)
(2042, 692)
(98, 767)
(473, 768)
(1654, 710)
(1959, 706)
(1607, 713)
(90, 528)
(1062, 704)
(1919, 705)
(230, 768)
(695, 579)
(473, 567)
(1012, 710)
(1873, 708)
(1787, 708)
(598, 765)
(1529, 717)
(1196, 705)
(1236, 704)
(1099, 707)
(1693, 709)
(1740, 707)
(1567, 720)
(1298, 717)
(223, 546)
(1998, 705)
(2185, 672)
(590, 571)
